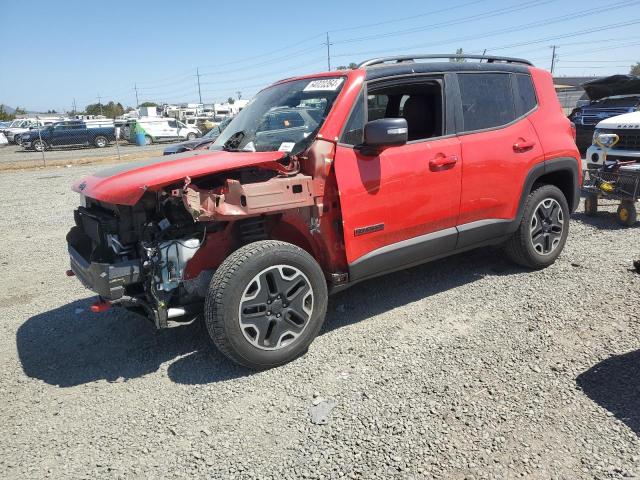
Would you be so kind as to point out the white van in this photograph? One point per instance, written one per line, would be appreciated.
(159, 129)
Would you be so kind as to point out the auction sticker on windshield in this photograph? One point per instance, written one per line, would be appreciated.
(286, 146)
(329, 84)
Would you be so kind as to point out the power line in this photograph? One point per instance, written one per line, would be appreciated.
(458, 21)
(513, 29)
(402, 19)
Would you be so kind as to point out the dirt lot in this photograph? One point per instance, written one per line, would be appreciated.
(464, 368)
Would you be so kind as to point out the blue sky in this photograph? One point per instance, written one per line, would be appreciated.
(53, 52)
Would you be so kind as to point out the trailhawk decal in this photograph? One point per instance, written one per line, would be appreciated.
(368, 229)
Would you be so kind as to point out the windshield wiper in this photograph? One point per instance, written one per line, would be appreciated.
(233, 142)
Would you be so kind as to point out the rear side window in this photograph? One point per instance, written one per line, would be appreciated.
(487, 100)
(526, 94)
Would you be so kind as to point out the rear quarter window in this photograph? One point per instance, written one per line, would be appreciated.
(487, 100)
(526, 94)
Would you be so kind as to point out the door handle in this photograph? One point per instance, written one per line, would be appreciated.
(523, 145)
(441, 161)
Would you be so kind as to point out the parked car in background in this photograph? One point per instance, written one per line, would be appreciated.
(626, 148)
(14, 132)
(309, 191)
(199, 143)
(3, 140)
(69, 133)
(609, 97)
(161, 129)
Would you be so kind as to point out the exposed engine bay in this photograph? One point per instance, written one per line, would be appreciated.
(157, 257)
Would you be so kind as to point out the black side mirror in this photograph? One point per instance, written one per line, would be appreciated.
(384, 132)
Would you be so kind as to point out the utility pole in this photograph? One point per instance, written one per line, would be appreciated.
(199, 92)
(135, 87)
(100, 103)
(74, 107)
(328, 53)
(239, 94)
(553, 58)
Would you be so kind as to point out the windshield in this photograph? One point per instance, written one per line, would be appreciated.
(285, 117)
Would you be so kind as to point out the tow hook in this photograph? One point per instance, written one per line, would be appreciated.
(100, 306)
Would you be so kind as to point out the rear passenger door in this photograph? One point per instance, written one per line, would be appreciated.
(399, 207)
(499, 146)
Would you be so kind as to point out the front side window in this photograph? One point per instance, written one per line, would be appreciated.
(487, 100)
(284, 117)
(420, 104)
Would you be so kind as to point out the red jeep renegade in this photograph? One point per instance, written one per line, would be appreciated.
(326, 180)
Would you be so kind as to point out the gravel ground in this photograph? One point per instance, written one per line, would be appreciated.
(464, 368)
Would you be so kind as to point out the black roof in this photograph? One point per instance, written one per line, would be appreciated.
(406, 68)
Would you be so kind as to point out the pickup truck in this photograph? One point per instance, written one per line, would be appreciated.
(71, 133)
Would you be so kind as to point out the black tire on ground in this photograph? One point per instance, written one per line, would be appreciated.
(540, 239)
(591, 205)
(148, 140)
(250, 288)
(191, 136)
(627, 214)
(39, 145)
(100, 141)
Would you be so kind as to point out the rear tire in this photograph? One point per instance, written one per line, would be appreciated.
(266, 303)
(191, 136)
(543, 230)
(627, 214)
(591, 205)
(148, 140)
(100, 141)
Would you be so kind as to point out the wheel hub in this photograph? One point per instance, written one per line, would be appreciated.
(547, 226)
(276, 307)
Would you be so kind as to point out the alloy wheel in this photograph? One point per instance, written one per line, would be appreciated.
(547, 226)
(276, 307)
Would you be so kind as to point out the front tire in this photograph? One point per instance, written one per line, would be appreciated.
(39, 145)
(543, 230)
(266, 303)
(148, 140)
(191, 136)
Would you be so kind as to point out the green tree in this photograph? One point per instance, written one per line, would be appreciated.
(635, 69)
(109, 110)
(230, 100)
(458, 60)
(351, 66)
(148, 104)
(20, 111)
(4, 115)
(51, 111)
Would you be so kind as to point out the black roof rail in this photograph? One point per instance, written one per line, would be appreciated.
(452, 56)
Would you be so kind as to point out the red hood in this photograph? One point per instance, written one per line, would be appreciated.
(125, 184)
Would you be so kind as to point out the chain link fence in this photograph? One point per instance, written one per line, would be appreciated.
(46, 140)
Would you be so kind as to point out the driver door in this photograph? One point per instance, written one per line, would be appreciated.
(399, 207)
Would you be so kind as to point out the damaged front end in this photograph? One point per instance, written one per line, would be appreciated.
(157, 256)
(136, 257)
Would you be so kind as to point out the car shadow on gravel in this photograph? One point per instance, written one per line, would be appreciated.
(391, 291)
(70, 346)
(602, 220)
(614, 384)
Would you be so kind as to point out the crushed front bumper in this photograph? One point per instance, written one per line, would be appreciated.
(106, 279)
